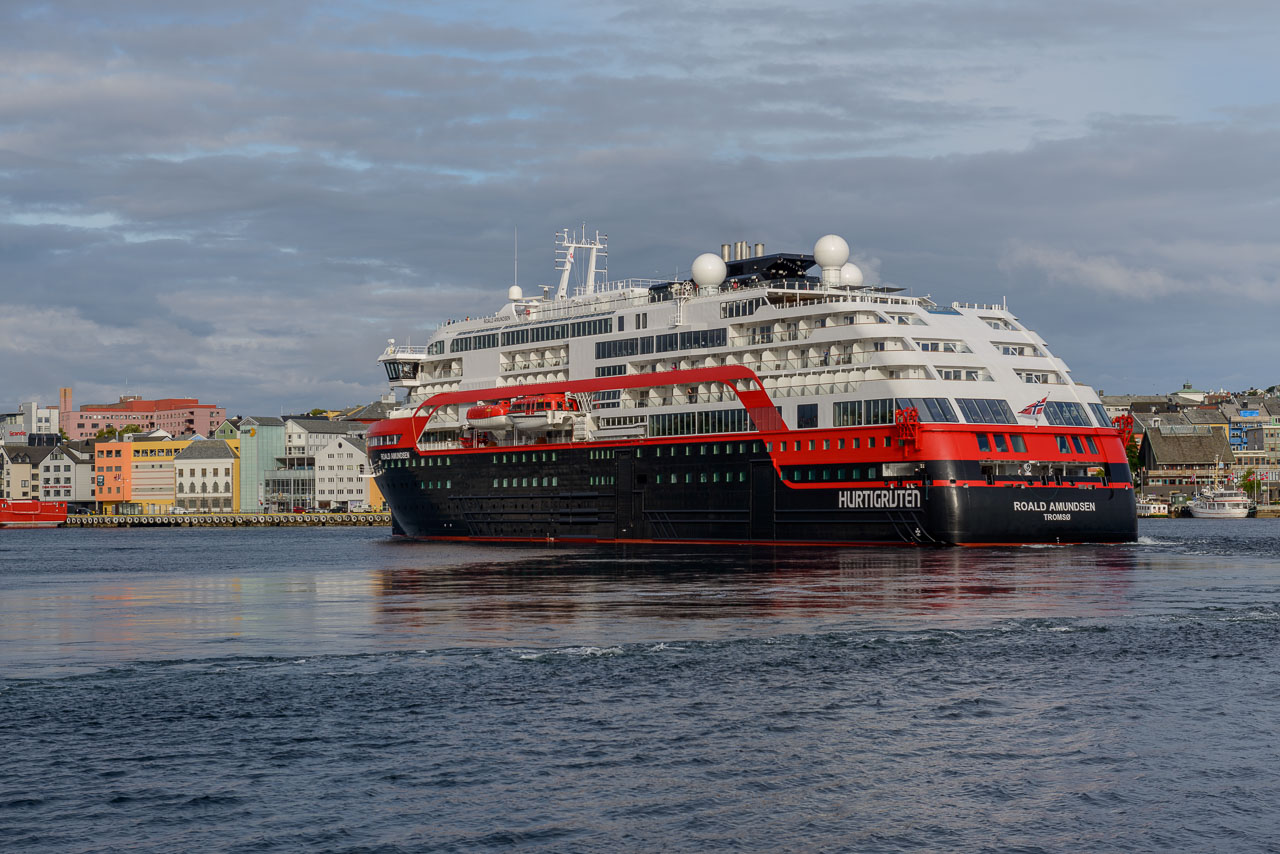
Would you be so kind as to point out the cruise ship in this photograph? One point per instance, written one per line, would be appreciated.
(769, 398)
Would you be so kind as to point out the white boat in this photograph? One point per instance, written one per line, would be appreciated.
(1152, 507)
(1216, 503)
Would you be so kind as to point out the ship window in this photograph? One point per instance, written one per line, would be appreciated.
(768, 447)
(871, 441)
(506, 482)
(930, 408)
(986, 411)
(1063, 447)
(495, 483)
(826, 474)
(524, 481)
(688, 477)
(1075, 441)
(797, 445)
(448, 484)
(715, 450)
(984, 442)
(812, 444)
(555, 481)
(1001, 444)
(1093, 449)
(855, 473)
(1018, 445)
(715, 477)
(1061, 413)
(856, 443)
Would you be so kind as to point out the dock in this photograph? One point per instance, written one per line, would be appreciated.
(232, 520)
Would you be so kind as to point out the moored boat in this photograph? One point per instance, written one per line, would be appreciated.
(1220, 503)
(32, 514)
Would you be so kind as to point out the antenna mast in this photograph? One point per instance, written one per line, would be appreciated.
(566, 243)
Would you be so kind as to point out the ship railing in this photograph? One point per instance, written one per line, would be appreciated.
(405, 350)
(978, 306)
(535, 365)
(834, 360)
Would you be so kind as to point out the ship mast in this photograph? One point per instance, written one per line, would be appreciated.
(566, 243)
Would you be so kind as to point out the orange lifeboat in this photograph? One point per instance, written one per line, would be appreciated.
(490, 416)
(542, 412)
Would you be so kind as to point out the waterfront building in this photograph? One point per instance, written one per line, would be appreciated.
(20, 479)
(293, 481)
(1179, 459)
(135, 475)
(66, 474)
(207, 477)
(175, 415)
(342, 474)
(261, 443)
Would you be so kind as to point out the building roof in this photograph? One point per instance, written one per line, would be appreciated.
(1148, 420)
(262, 420)
(1204, 416)
(137, 404)
(324, 425)
(375, 411)
(206, 449)
(1187, 445)
(27, 454)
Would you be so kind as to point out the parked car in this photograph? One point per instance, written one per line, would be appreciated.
(299, 510)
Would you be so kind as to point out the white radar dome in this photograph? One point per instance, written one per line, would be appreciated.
(850, 276)
(709, 270)
(830, 251)
(514, 293)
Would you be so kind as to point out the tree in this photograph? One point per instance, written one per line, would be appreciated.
(108, 433)
(1132, 450)
(317, 411)
(1250, 483)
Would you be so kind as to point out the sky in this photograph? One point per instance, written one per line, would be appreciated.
(242, 202)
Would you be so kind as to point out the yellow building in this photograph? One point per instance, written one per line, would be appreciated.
(136, 476)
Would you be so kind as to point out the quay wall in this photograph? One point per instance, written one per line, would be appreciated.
(232, 520)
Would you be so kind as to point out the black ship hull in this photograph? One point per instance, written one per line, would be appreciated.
(731, 492)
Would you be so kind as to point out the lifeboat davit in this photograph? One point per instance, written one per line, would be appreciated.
(542, 412)
(490, 416)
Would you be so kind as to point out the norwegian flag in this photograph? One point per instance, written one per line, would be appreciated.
(1034, 408)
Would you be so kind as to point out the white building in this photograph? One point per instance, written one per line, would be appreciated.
(205, 476)
(67, 474)
(31, 418)
(342, 474)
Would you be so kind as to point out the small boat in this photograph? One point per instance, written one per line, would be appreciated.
(490, 416)
(1149, 508)
(32, 514)
(539, 413)
(1217, 503)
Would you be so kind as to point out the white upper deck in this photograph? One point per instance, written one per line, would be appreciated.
(827, 349)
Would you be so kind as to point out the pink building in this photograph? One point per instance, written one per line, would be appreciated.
(174, 415)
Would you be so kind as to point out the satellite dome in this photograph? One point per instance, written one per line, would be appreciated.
(514, 293)
(709, 270)
(830, 251)
(850, 276)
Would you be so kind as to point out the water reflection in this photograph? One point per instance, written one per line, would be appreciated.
(656, 585)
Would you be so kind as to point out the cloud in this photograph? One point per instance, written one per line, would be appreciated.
(244, 201)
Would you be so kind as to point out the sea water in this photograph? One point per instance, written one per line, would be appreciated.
(334, 690)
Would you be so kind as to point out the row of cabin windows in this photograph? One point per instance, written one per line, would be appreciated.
(517, 482)
(703, 450)
(840, 445)
(1075, 443)
(602, 480)
(700, 477)
(435, 484)
(526, 457)
(814, 474)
